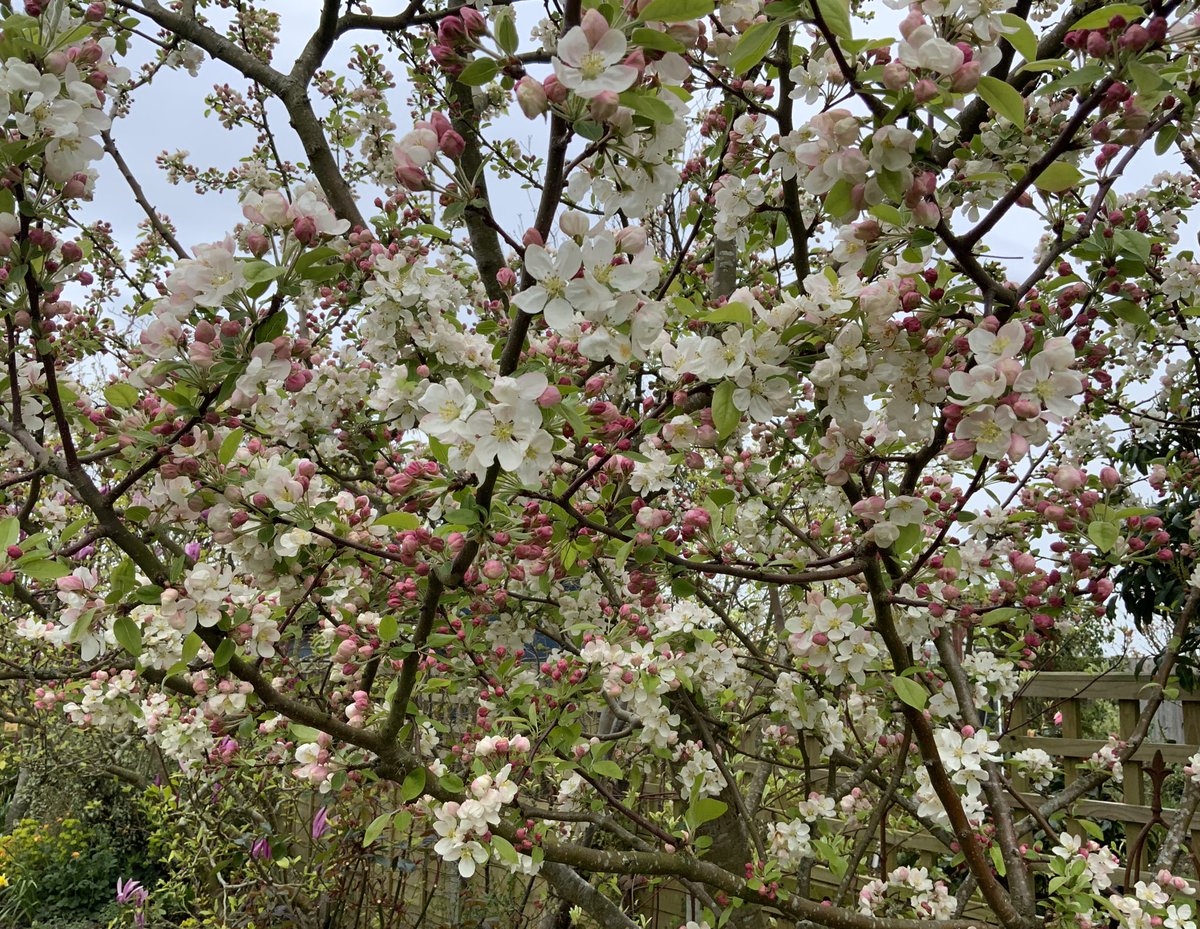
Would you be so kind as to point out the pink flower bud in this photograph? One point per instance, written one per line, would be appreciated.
(531, 97)
(1069, 479)
(966, 78)
(551, 396)
(532, 237)
(594, 26)
(493, 569)
(914, 20)
(408, 173)
(258, 244)
(555, 91)
(604, 105)
(452, 144)
(439, 124)
(1023, 562)
(305, 228)
(631, 239)
(925, 90)
(895, 76)
(506, 278)
(1110, 477)
(473, 20)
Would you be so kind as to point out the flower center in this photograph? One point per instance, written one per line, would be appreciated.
(555, 287)
(591, 66)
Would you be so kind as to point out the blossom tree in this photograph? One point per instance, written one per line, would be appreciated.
(744, 474)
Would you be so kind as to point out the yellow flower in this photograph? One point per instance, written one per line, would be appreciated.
(3, 881)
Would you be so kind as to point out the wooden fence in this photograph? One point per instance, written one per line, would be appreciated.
(1032, 724)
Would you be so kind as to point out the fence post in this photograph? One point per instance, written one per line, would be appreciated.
(1191, 735)
(1132, 787)
(1072, 728)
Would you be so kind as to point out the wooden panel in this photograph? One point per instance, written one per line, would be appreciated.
(1085, 748)
(1093, 687)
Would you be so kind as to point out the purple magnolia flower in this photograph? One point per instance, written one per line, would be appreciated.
(320, 823)
(133, 892)
(261, 850)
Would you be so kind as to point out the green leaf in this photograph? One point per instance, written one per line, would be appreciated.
(413, 786)
(257, 272)
(1134, 243)
(229, 445)
(1058, 176)
(705, 810)
(836, 14)
(1078, 77)
(1004, 99)
(503, 849)
(122, 396)
(909, 536)
(677, 11)
(43, 569)
(648, 106)
(995, 617)
(191, 648)
(753, 46)
(724, 414)
(224, 653)
(399, 520)
(505, 29)
(271, 328)
(303, 733)
(388, 628)
(10, 531)
(478, 72)
(1044, 64)
(731, 313)
(375, 830)
(653, 40)
(129, 634)
(608, 768)
(1019, 35)
(589, 129)
(910, 692)
(1165, 137)
(1098, 19)
(838, 201)
(1147, 79)
(1104, 534)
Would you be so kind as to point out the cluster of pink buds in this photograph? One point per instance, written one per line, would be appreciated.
(1118, 36)
(456, 37)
